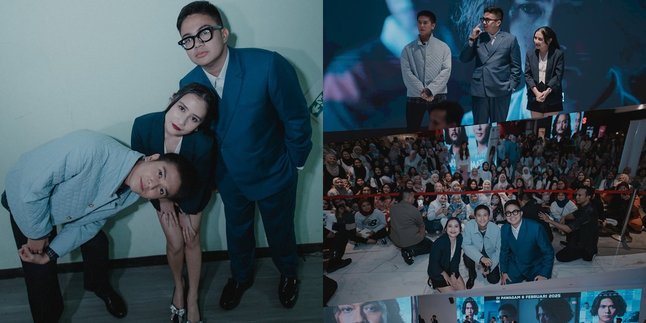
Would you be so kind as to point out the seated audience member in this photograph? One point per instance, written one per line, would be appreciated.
(481, 244)
(554, 310)
(525, 250)
(385, 201)
(437, 210)
(474, 201)
(457, 208)
(485, 172)
(332, 169)
(444, 259)
(561, 207)
(581, 228)
(502, 183)
(359, 184)
(472, 184)
(371, 223)
(337, 238)
(527, 177)
(617, 208)
(497, 209)
(407, 230)
(485, 198)
(338, 188)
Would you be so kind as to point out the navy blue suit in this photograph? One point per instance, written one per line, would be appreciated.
(263, 134)
(198, 147)
(528, 256)
(496, 75)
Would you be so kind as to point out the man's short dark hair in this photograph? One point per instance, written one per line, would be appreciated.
(482, 207)
(512, 202)
(474, 305)
(558, 309)
(589, 191)
(427, 13)
(496, 11)
(199, 7)
(405, 193)
(187, 174)
(617, 300)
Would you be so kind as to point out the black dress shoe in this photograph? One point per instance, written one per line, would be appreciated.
(336, 264)
(470, 282)
(408, 256)
(113, 302)
(232, 293)
(288, 291)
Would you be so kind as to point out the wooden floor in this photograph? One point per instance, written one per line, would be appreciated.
(147, 291)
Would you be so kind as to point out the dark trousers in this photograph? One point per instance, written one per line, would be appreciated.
(423, 247)
(375, 236)
(569, 253)
(493, 277)
(487, 110)
(336, 245)
(277, 212)
(43, 289)
(416, 108)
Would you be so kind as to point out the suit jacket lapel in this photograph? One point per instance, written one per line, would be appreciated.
(492, 48)
(549, 67)
(230, 93)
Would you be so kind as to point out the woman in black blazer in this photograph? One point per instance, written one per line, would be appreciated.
(444, 260)
(182, 128)
(544, 68)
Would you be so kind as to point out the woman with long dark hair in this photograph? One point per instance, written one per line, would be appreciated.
(544, 69)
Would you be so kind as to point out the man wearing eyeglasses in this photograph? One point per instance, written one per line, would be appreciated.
(263, 133)
(497, 67)
(525, 250)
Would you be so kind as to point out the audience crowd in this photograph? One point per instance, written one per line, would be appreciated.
(558, 183)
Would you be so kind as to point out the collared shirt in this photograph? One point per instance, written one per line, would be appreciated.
(515, 231)
(542, 68)
(218, 81)
(73, 180)
(493, 37)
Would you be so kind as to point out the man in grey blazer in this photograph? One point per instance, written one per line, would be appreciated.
(498, 68)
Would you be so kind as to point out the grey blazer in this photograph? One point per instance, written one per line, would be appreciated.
(498, 67)
(553, 75)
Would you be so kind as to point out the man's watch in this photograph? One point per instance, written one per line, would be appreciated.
(51, 254)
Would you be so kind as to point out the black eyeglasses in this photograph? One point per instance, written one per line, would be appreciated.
(487, 20)
(205, 34)
(510, 213)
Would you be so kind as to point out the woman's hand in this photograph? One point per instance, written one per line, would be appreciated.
(167, 210)
(187, 227)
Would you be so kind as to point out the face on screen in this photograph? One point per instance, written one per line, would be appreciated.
(607, 310)
(370, 312)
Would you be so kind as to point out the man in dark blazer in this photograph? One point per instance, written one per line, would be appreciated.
(497, 70)
(525, 251)
(263, 134)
